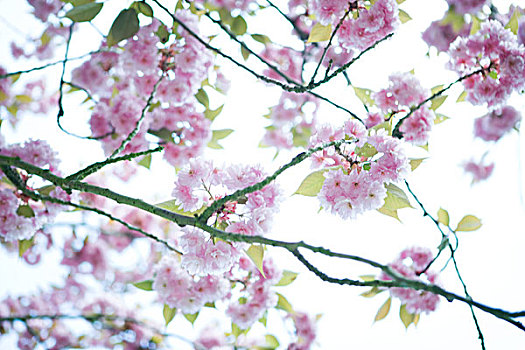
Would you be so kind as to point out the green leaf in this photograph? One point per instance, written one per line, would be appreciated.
(24, 245)
(79, 2)
(438, 101)
(144, 285)
(191, 317)
(263, 39)
(245, 53)
(372, 292)
(444, 243)
(455, 19)
(312, 184)
(271, 342)
(84, 13)
(239, 25)
(414, 163)
(256, 254)
(25, 211)
(125, 26)
(383, 310)
(236, 330)
(403, 16)
(142, 7)
(168, 313)
(462, 96)
(512, 25)
(395, 199)
(145, 161)
(475, 26)
(400, 1)
(443, 217)
(287, 278)
(163, 34)
(406, 317)
(202, 97)
(212, 114)
(365, 96)
(440, 118)
(469, 223)
(218, 135)
(172, 205)
(368, 278)
(366, 151)
(493, 74)
(436, 89)
(24, 98)
(284, 304)
(320, 33)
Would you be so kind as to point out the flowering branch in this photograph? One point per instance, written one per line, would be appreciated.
(398, 281)
(452, 257)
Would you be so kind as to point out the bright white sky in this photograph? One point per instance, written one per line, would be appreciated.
(490, 259)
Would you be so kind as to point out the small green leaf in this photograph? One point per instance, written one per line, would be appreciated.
(144, 285)
(143, 7)
(406, 317)
(145, 161)
(191, 317)
(212, 114)
(403, 16)
(163, 34)
(372, 292)
(263, 39)
(125, 26)
(469, 223)
(457, 20)
(475, 26)
(443, 244)
(440, 118)
(400, 1)
(202, 97)
(513, 22)
(239, 25)
(24, 245)
(493, 74)
(25, 211)
(436, 88)
(218, 135)
(383, 310)
(443, 217)
(320, 33)
(414, 163)
(312, 184)
(287, 278)
(172, 205)
(168, 313)
(284, 304)
(24, 98)
(237, 331)
(271, 342)
(245, 53)
(366, 151)
(256, 254)
(437, 102)
(462, 97)
(395, 199)
(84, 13)
(365, 95)
(368, 278)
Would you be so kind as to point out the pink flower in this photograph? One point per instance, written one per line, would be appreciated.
(478, 170)
(492, 126)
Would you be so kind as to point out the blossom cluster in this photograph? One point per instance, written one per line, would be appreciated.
(123, 82)
(305, 330)
(412, 263)
(467, 6)
(495, 124)
(405, 92)
(355, 178)
(21, 217)
(292, 120)
(200, 183)
(497, 52)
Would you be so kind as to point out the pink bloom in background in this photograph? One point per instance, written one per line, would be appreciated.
(411, 263)
(371, 25)
(328, 11)
(467, 6)
(305, 329)
(478, 170)
(497, 50)
(442, 35)
(492, 126)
